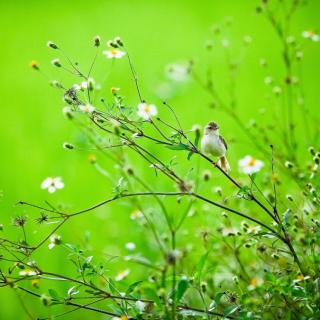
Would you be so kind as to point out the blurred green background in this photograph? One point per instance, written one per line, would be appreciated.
(33, 127)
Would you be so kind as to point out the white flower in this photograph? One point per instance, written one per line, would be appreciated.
(247, 39)
(140, 305)
(178, 72)
(87, 84)
(67, 110)
(130, 246)
(310, 34)
(54, 240)
(225, 43)
(122, 274)
(277, 90)
(114, 53)
(52, 184)
(268, 80)
(146, 110)
(76, 87)
(88, 108)
(255, 282)
(227, 232)
(136, 214)
(250, 165)
(27, 272)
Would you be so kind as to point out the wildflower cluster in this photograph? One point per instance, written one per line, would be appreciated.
(245, 247)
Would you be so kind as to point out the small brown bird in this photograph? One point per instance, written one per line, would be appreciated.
(214, 144)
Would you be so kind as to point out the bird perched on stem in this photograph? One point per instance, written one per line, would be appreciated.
(214, 144)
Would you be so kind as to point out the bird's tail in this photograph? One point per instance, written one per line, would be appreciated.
(224, 164)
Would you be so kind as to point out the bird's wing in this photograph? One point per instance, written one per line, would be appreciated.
(224, 142)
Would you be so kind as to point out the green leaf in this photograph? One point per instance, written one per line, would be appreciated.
(190, 154)
(132, 287)
(230, 310)
(182, 287)
(218, 296)
(152, 295)
(54, 294)
(179, 146)
(197, 138)
(200, 265)
(245, 193)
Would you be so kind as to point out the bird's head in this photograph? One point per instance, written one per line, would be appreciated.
(211, 127)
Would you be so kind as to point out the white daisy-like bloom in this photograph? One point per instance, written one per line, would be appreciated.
(250, 165)
(255, 282)
(140, 305)
(114, 53)
(122, 274)
(130, 246)
(27, 273)
(146, 111)
(136, 214)
(87, 108)
(52, 184)
(178, 72)
(312, 35)
(54, 240)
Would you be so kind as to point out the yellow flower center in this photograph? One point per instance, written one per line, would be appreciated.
(146, 108)
(252, 162)
(254, 282)
(114, 52)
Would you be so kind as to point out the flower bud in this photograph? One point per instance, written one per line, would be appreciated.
(203, 286)
(92, 159)
(45, 300)
(118, 41)
(289, 197)
(129, 171)
(311, 150)
(56, 84)
(68, 145)
(288, 164)
(52, 45)
(56, 63)
(110, 43)
(97, 41)
(34, 65)
(68, 112)
(206, 175)
(299, 55)
(114, 90)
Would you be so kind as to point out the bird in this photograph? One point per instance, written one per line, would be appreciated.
(214, 144)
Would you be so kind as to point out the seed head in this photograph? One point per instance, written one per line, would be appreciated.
(20, 221)
(52, 45)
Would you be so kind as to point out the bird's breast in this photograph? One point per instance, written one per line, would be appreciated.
(212, 144)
